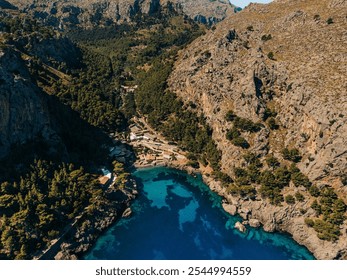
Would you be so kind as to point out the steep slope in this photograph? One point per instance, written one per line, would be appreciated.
(32, 58)
(281, 66)
(24, 112)
(90, 13)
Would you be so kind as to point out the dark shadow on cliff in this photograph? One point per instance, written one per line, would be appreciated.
(6, 5)
(73, 140)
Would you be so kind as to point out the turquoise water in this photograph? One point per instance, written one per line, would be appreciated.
(177, 217)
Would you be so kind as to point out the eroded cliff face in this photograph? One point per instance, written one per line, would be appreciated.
(90, 13)
(288, 57)
(24, 114)
(305, 82)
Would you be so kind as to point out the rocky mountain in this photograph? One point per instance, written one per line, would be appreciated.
(88, 13)
(281, 67)
(24, 111)
(31, 57)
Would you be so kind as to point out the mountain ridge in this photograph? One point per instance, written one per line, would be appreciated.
(90, 13)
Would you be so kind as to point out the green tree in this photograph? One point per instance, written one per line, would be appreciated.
(289, 199)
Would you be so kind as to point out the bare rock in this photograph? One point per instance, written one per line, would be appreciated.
(231, 209)
(127, 213)
(254, 223)
(239, 226)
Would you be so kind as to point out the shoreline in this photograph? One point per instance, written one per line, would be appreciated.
(258, 212)
(83, 234)
(272, 218)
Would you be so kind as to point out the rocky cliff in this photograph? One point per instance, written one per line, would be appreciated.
(286, 59)
(24, 114)
(88, 13)
(31, 57)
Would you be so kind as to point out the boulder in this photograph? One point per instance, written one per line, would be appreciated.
(254, 223)
(240, 227)
(127, 213)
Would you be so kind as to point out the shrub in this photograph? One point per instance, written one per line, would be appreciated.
(230, 116)
(291, 154)
(253, 173)
(326, 230)
(282, 176)
(316, 207)
(309, 222)
(268, 112)
(240, 142)
(300, 179)
(244, 191)
(225, 178)
(266, 37)
(247, 125)
(251, 158)
(240, 172)
(316, 17)
(272, 124)
(299, 197)
(314, 191)
(241, 176)
(232, 134)
(250, 28)
(193, 164)
(289, 199)
(272, 162)
(271, 55)
(192, 157)
(330, 21)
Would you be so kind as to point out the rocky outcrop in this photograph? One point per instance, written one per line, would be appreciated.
(127, 213)
(231, 209)
(88, 13)
(240, 227)
(254, 223)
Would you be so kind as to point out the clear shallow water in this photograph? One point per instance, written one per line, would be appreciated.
(177, 217)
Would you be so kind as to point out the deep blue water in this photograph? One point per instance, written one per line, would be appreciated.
(177, 217)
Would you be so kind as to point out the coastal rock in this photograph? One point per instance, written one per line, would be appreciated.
(254, 223)
(65, 256)
(244, 212)
(239, 226)
(127, 213)
(231, 209)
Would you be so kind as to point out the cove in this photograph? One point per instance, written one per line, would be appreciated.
(177, 217)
